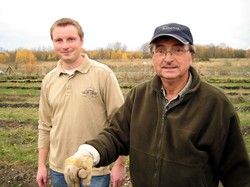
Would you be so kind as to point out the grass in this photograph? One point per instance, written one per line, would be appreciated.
(245, 104)
(21, 115)
(20, 84)
(224, 66)
(18, 145)
(21, 98)
(244, 118)
(247, 142)
(20, 91)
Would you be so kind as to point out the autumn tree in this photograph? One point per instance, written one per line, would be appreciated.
(124, 57)
(113, 55)
(27, 58)
(118, 52)
(119, 55)
(4, 57)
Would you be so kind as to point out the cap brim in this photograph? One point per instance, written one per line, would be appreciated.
(182, 40)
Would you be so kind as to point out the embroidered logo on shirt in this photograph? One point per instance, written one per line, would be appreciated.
(89, 92)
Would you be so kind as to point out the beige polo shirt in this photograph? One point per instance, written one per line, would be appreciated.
(75, 108)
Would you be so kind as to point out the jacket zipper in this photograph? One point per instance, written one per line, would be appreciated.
(155, 181)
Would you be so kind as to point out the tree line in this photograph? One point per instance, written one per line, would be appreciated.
(117, 52)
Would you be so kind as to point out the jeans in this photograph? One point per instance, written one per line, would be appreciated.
(57, 180)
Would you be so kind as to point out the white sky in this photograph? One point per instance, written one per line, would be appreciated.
(26, 23)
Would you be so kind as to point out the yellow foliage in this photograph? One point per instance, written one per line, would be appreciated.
(27, 57)
(113, 55)
(124, 57)
(4, 57)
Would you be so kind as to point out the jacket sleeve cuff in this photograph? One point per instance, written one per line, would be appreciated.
(90, 149)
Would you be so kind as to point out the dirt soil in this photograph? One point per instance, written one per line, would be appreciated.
(25, 176)
(22, 175)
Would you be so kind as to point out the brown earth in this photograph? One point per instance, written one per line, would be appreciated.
(22, 175)
(25, 176)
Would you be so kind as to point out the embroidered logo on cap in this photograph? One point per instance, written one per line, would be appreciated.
(170, 28)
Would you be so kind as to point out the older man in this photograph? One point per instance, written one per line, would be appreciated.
(177, 129)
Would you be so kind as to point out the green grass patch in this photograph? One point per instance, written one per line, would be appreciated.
(247, 142)
(245, 104)
(233, 84)
(21, 84)
(20, 98)
(244, 118)
(20, 91)
(24, 115)
(18, 145)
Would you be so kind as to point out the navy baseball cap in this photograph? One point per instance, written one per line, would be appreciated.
(175, 30)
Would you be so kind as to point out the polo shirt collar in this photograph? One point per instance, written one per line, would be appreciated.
(83, 68)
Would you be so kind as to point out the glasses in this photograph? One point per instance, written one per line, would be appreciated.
(173, 52)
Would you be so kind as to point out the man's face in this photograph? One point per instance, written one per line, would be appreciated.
(171, 59)
(67, 43)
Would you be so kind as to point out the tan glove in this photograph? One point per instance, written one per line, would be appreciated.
(78, 166)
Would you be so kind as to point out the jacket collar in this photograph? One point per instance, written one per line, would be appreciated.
(157, 85)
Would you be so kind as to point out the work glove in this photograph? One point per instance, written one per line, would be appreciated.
(79, 166)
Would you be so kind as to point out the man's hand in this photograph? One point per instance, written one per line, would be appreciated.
(118, 172)
(78, 166)
(42, 177)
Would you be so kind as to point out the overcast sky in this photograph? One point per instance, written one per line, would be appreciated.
(26, 23)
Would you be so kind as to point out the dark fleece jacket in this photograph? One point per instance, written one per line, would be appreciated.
(197, 142)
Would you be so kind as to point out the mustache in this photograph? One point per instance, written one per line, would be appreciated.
(169, 65)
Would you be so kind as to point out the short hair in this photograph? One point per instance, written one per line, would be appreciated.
(64, 22)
